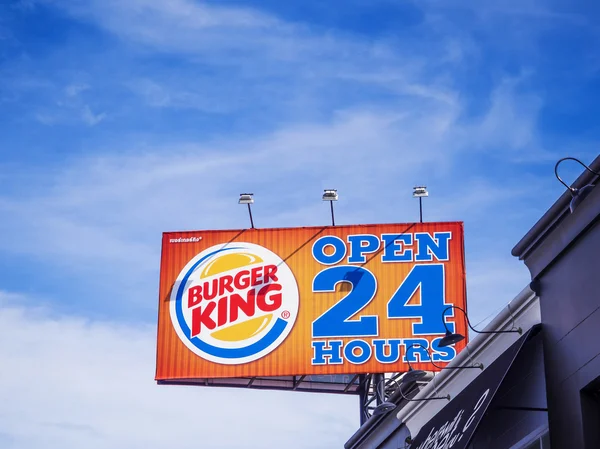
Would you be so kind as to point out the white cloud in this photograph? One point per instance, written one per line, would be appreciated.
(154, 94)
(511, 120)
(69, 382)
(73, 90)
(526, 10)
(90, 118)
(376, 118)
(199, 96)
(103, 215)
(254, 45)
(182, 25)
(46, 118)
(68, 106)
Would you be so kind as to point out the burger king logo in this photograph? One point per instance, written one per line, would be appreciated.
(234, 303)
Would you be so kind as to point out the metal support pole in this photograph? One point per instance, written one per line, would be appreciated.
(421, 209)
(332, 217)
(379, 388)
(362, 397)
(250, 213)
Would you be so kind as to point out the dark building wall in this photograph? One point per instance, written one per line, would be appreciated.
(562, 252)
(502, 426)
(570, 306)
(523, 387)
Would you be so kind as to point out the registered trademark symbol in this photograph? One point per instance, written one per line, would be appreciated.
(285, 314)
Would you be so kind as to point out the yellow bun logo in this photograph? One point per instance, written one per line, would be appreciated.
(234, 303)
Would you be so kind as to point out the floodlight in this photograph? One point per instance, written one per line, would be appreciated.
(420, 191)
(450, 339)
(330, 195)
(247, 198)
(384, 408)
(413, 375)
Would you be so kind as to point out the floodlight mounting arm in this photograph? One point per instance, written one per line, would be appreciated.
(332, 216)
(250, 213)
(447, 397)
(474, 365)
(514, 329)
(414, 345)
(573, 190)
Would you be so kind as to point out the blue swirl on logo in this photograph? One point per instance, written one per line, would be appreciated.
(224, 353)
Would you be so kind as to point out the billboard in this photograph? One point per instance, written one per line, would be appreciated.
(310, 301)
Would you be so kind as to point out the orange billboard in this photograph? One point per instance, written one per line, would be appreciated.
(309, 301)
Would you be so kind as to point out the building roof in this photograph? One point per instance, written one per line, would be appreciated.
(552, 219)
(522, 312)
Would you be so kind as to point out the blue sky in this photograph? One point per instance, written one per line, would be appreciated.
(121, 119)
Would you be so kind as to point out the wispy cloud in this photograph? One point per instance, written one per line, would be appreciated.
(227, 37)
(510, 121)
(525, 9)
(124, 119)
(71, 382)
(246, 100)
(104, 214)
(90, 118)
(65, 107)
(189, 27)
(73, 90)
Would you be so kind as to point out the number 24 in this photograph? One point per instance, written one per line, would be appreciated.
(337, 322)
